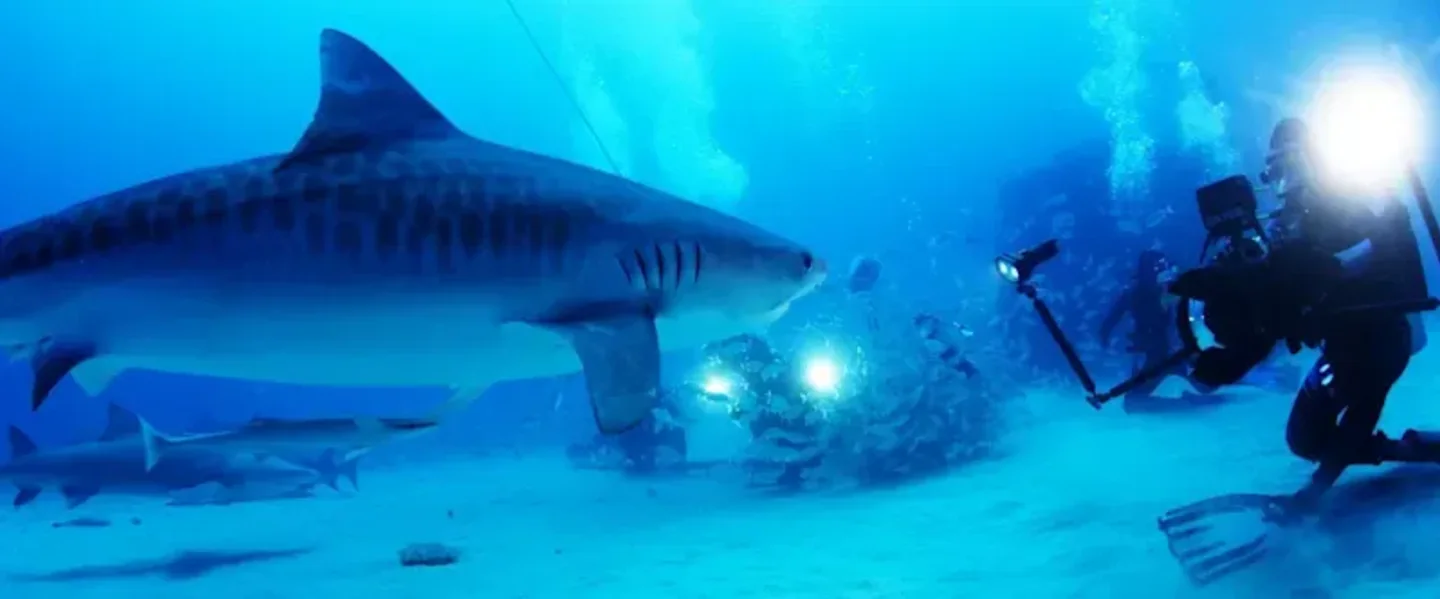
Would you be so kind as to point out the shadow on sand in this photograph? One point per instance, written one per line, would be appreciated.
(183, 565)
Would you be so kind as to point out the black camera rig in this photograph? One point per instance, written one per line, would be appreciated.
(1236, 248)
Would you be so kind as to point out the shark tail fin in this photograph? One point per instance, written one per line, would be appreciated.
(155, 444)
(349, 468)
(333, 465)
(329, 469)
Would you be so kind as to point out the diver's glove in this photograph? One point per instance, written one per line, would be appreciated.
(1275, 299)
(1234, 314)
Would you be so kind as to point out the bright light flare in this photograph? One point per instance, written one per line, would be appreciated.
(1007, 270)
(717, 384)
(1367, 125)
(822, 374)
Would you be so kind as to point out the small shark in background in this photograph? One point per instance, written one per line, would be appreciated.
(386, 231)
(115, 463)
(339, 442)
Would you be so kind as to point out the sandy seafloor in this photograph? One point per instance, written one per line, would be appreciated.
(1069, 511)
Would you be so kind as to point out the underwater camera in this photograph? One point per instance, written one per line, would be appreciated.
(1234, 237)
(1234, 240)
(1219, 306)
(1251, 291)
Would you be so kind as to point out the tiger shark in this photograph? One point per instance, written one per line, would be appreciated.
(114, 464)
(389, 248)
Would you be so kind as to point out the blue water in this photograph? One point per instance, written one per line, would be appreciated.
(929, 135)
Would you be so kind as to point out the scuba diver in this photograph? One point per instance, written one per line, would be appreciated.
(944, 339)
(1344, 260)
(657, 445)
(783, 426)
(1147, 303)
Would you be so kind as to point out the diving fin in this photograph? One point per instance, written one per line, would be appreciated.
(1216, 537)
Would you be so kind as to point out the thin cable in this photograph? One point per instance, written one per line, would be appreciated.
(563, 88)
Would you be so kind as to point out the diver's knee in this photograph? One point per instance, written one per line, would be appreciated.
(1418, 338)
(1305, 444)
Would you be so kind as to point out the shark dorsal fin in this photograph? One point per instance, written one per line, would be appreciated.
(120, 422)
(364, 103)
(20, 444)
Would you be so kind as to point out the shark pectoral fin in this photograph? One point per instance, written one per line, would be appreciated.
(94, 375)
(52, 363)
(119, 422)
(349, 468)
(20, 444)
(369, 425)
(364, 103)
(78, 494)
(621, 360)
(327, 467)
(25, 495)
(461, 396)
(231, 480)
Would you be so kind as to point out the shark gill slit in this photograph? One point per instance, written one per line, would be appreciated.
(679, 264)
(699, 256)
(644, 268)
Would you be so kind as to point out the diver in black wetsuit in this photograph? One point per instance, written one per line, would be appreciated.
(1364, 254)
(1147, 303)
(1335, 415)
(657, 445)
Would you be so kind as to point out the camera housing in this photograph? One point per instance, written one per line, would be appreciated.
(1228, 211)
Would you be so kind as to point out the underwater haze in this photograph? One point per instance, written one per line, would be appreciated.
(907, 429)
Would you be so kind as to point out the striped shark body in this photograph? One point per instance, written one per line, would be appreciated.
(388, 248)
(112, 464)
(348, 438)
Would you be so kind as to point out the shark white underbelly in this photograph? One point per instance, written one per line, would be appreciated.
(319, 336)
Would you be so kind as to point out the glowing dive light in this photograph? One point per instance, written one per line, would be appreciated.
(1017, 268)
(1007, 270)
(822, 374)
(717, 384)
(1367, 126)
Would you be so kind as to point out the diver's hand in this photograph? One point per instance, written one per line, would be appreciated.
(1202, 283)
(1218, 366)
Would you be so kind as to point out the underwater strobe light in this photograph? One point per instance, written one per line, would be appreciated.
(1018, 267)
(718, 384)
(1367, 124)
(822, 374)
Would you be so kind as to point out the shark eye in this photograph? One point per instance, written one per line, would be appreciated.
(807, 260)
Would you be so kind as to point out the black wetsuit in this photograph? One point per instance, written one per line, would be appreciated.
(1336, 413)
